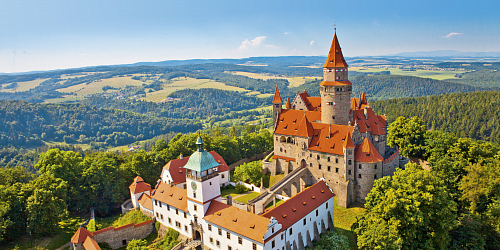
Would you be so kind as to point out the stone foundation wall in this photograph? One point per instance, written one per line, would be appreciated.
(121, 236)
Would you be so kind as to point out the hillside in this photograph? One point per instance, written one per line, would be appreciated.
(475, 115)
(25, 124)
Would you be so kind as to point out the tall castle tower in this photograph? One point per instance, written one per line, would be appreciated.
(335, 88)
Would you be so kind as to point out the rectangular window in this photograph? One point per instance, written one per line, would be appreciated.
(209, 227)
(254, 246)
(316, 212)
(168, 207)
(291, 231)
(375, 166)
(229, 248)
(310, 165)
(328, 158)
(160, 203)
(349, 172)
(169, 220)
(220, 231)
(319, 166)
(177, 211)
(228, 235)
(282, 236)
(329, 169)
(211, 240)
(161, 215)
(349, 162)
(327, 205)
(195, 208)
(194, 194)
(375, 177)
(156, 203)
(317, 157)
(336, 160)
(185, 215)
(217, 243)
(336, 170)
(186, 228)
(240, 240)
(359, 176)
(304, 221)
(157, 215)
(273, 244)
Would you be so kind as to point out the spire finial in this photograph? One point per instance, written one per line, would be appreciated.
(335, 28)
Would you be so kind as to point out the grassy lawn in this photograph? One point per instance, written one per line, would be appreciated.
(245, 198)
(278, 202)
(231, 191)
(270, 180)
(343, 220)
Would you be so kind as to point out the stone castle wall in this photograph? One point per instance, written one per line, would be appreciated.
(121, 236)
(391, 164)
(339, 112)
(366, 174)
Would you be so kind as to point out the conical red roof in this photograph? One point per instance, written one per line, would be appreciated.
(348, 141)
(288, 105)
(80, 235)
(139, 186)
(366, 152)
(277, 97)
(335, 57)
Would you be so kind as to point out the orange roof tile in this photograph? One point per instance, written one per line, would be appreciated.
(381, 118)
(178, 173)
(331, 143)
(289, 120)
(139, 186)
(171, 195)
(366, 152)
(146, 202)
(336, 83)
(362, 99)
(90, 244)
(372, 124)
(305, 128)
(236, 220)
(295, 208)
(277, 97)
(348, 141)
(283, 157)
(80, 235)
(288, 105)
(335, 57)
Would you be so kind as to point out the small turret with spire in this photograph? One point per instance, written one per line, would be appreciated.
(277, 105)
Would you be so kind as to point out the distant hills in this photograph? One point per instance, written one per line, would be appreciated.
(447, 53)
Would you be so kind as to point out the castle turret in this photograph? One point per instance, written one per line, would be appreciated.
(335, 88)
(288, 105)
(277, 105)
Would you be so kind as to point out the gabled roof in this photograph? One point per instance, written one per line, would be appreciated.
(171, 195)
(295, 208)
(288, 105)
(366, 152)
(289, 120)
(335, 57)
(305, 128)
(329, 140)
(348, 141)
(372, 124)
(80, 235)
(90, 244)
(139, 186)
(336, 83)
(277, 97)
(178, 173)
(236, 220)
(362, 99)
(146, 202)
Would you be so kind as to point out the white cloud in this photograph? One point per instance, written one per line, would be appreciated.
(286, 33)
(311, 43)
(252, 44)
(452, 34)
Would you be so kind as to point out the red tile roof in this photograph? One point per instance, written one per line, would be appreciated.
(80, 235)
(289, 120)
(288, 105)
(372, 124)
(366, 152)
(171, 195)
(178, 173)
(348, 141)
(335, 57)
(312, 103)
(277, 97)
(90, 244)
(336, 83)
(332, 143)
(236, 220)
(287, 159)
(294, 209)
(146, 202)
(305, 128)
(139, 186)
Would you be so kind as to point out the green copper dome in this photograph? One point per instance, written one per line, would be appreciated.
(201, 160)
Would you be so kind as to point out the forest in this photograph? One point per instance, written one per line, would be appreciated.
(475, 115)
(67, 182)
(456, 205)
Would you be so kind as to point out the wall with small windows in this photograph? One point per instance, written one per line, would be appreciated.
(365, 175)
(173, 217)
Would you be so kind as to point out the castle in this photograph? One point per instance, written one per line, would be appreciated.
(334, 136)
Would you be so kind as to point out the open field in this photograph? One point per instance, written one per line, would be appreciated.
(185, 83)
(24, 86)
(294, 81)
(434, 74)
(83, 146)
(96, 87)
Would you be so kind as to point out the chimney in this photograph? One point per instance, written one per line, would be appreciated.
(229, 200)
(366, 112)
(181, 157)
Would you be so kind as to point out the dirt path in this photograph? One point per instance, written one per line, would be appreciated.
(65, 245)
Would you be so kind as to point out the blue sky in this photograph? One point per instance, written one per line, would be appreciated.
(44, 35)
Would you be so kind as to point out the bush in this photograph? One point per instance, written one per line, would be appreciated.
(169, 240)
(91, 226)
(240, 188)
(104, 246)
(134, 216)
(331, 241)
(137, 245)
(157, 226)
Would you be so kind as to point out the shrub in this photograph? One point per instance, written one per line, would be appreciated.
(137, 245)
(157, 226)
(240, 188)
(134, 216)
(104, 246)
(331, 241)
(91, 226)
(168, 241)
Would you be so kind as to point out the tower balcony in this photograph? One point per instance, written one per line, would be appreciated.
(202, 178)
